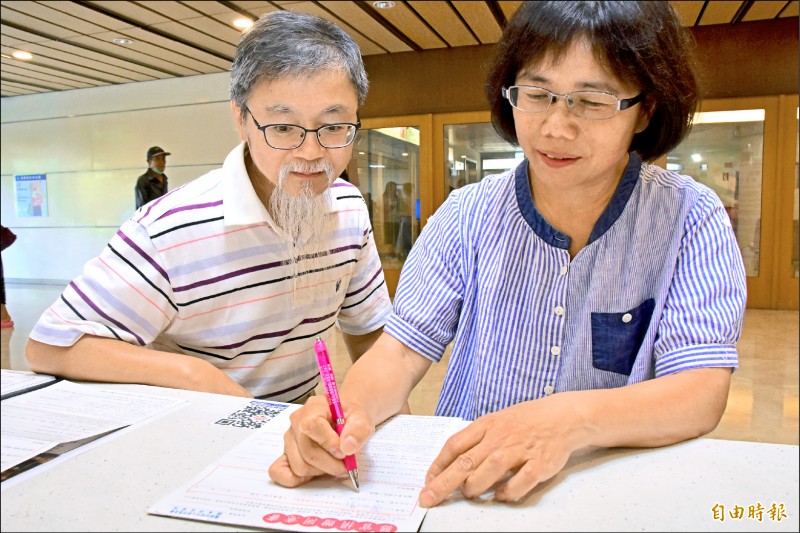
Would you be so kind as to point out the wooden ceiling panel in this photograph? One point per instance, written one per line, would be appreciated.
(46, 74)
(688, 10)
(160, 46)
(216, 27)
(200, 39)
(719, 12)
(48, 16)
(790, 10)
(208, 7)
(227, 20)
(407, 21)
(445, 21)
(12, 36)
(35, 79)
(128, 10)
(368, 47)
(72, 40)
(28, 22)
(13, 89)
(255, 8)
(27, 83)
(368, 26)
(108, 64)
(481, 20)
(169, 10)
(154, 56)
(85, 68)
(764, 9)
(509, 8)
(88, 14)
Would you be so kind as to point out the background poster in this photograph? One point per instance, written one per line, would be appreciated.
(31, 192)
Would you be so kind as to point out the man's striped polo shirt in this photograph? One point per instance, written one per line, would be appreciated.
(204, 271)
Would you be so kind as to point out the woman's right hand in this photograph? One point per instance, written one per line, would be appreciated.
(311, 447)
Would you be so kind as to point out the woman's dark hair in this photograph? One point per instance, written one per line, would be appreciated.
(641, 43)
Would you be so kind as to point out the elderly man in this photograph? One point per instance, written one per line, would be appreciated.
(223, 284)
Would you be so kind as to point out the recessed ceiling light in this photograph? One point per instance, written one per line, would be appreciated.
(122, 40)
(383, 5)
(22, 54)
(243, 23)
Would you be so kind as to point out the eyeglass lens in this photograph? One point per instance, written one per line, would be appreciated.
(287, 136)
(587, 104)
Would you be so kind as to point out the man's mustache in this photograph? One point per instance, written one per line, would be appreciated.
(306, 168)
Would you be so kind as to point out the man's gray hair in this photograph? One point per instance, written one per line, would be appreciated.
(284, 43)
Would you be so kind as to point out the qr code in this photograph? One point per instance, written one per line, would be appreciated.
(253, 416)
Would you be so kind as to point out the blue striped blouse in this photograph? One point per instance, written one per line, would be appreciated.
(659, 288)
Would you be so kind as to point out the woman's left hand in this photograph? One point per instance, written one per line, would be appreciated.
(527, 443)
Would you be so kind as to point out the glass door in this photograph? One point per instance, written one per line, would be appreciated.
(466, 150)
(391, 168)
(732, 149)
(786, 291)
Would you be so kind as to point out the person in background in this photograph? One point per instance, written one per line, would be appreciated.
(153, 183)
(404, 231)
(7, 238)
(592, 299)
(391, 215)
(224, 284)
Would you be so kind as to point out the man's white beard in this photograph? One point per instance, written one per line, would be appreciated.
(303, 214)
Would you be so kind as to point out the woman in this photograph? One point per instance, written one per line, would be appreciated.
(593, 300)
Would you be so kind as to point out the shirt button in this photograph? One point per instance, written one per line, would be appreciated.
(627, 317)
(549, 390)
(555, 350)
(559, 310)
(564, 270)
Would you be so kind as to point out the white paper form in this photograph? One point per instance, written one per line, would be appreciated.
(13, 382)
(66, 412)
(392, 467)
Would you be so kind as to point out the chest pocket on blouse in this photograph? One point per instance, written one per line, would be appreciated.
(617, 337)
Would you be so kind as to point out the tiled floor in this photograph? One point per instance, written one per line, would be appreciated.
(762, 407)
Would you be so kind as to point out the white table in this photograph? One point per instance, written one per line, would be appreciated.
(664, 489)
(110, 487)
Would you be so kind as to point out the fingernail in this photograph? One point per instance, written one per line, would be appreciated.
(424, 497)
(350, 443)
(336, 453)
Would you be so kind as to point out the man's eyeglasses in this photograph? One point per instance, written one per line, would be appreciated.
(595, 105)
(291, 136)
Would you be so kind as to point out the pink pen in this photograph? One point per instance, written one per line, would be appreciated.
(332, 393)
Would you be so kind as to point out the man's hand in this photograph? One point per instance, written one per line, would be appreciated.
(202, 376)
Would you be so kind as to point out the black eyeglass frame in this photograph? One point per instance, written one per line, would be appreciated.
(622, 103)
(306, 131)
